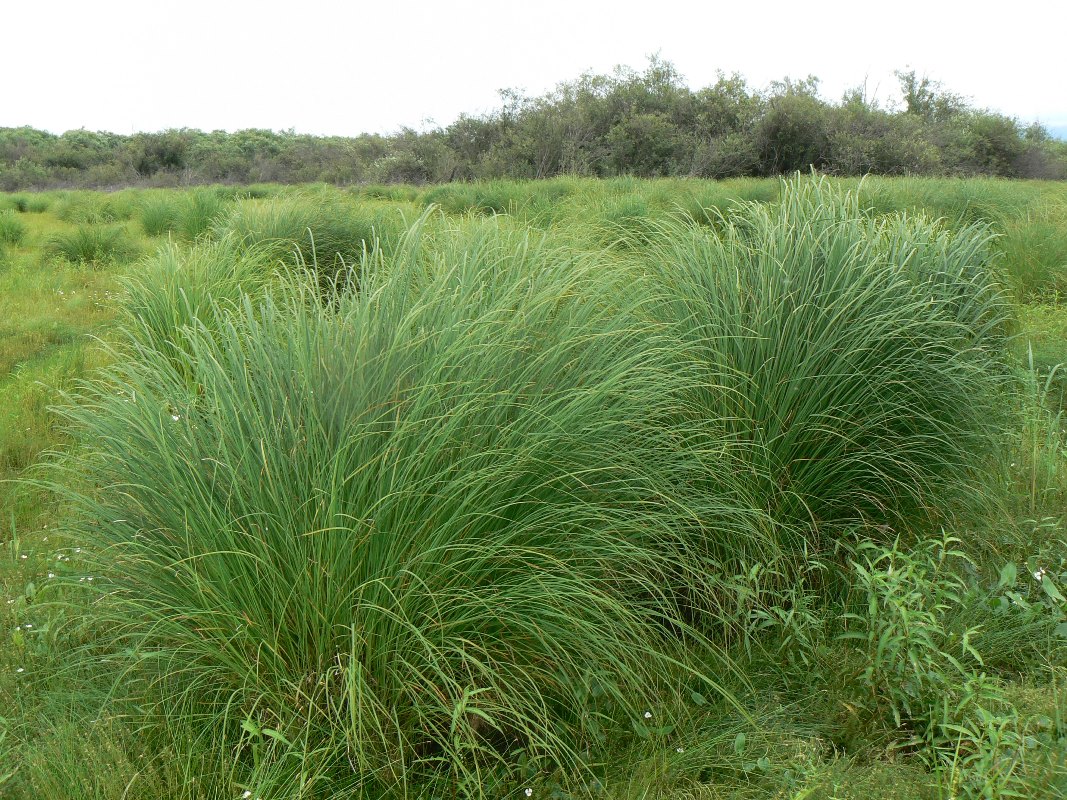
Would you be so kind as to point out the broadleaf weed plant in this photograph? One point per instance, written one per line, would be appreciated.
(926, 676)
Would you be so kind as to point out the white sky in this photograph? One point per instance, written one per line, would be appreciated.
(332, 67)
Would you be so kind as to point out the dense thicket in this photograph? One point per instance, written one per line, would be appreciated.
(647, 123)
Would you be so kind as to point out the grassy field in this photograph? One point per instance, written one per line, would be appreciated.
(569, 489)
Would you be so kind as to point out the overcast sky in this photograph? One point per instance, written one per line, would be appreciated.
(330, 67)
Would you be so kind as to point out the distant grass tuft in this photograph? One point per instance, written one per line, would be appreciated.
(323, 236)
(12, 229)
(93, 244)
(94, 208)
(189, 286)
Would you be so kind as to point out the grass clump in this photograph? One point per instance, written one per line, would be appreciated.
(93, 244)
(1035, 245)
(188, 214)
(852, 391)
(94, 208)
(12, 229)
(159, 213)
(200, 210)
(28, 203)
(188, 286)
(409, 534)
(323, 236)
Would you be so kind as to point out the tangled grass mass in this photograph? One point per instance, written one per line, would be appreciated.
(374, 501)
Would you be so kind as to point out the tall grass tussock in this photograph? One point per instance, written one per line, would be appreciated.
(326, 237)
(93, 244)
(12, 229)
(407, 533)
(849, 363)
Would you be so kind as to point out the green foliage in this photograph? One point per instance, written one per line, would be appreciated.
(793, 134)
(446, 535)
(925, 675)
(911, 661)
(644, 122)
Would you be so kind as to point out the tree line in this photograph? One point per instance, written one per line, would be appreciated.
(645, 122)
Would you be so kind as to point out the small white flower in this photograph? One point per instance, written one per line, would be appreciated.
(24, 557)
(28, 626)
(1039, 574)
(51, 574)
(246, 794)
(528, 791)
(175, 417)
(648, 715)
(20, 669)
(679, 749)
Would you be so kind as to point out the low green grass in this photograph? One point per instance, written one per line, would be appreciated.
(578, 491)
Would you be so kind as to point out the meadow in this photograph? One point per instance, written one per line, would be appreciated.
(570, 488)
